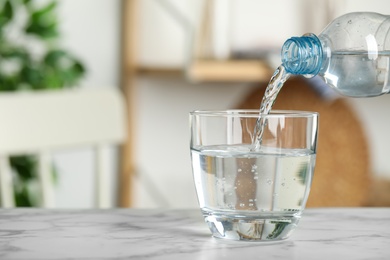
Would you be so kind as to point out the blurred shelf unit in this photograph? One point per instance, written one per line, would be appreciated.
(210, 56)
(202, 66)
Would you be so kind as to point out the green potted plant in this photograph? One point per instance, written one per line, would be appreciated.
(31, 59)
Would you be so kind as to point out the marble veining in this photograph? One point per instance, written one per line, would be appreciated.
(345, 233)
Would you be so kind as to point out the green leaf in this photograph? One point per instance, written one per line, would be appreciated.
(14, 53)
(22, 197)
(25, 166)
(32, 76)
(302, 174)
(8, 11)
(54, 174)
(43, 22)
(45, 12)
(79, 69)
(44, 31)
(6, 14)
(65, 70)
(279, 227)
(8, 83)
(53, 57)
(53, 79)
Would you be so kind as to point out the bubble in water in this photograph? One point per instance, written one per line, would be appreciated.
(337, 24)
(250, 204)
(239, 170)
(269, 181)
(255, 177)
(242, 204)
(349, 21)
(283, 184)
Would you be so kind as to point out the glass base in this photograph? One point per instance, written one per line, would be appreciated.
(253, 228)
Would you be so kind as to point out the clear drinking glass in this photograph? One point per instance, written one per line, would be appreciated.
(248, 193)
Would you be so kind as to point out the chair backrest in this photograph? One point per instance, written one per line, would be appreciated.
(39, 122)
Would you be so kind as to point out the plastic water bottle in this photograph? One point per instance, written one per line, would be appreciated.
(352, 54)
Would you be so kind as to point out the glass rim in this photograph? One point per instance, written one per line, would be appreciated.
(249, 113)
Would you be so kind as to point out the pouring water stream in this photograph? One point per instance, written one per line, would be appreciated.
(274, 86)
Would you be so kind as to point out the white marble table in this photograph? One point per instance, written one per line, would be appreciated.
(345, 233)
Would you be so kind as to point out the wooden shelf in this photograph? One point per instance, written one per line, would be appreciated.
(159, 71)
(214, 71)
(229, 71)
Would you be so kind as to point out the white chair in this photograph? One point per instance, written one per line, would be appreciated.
(39, 122)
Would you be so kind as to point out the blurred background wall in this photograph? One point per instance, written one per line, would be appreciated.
(91, 30)
(163, 174)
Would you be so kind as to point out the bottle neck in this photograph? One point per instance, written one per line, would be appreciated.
(303, 55)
